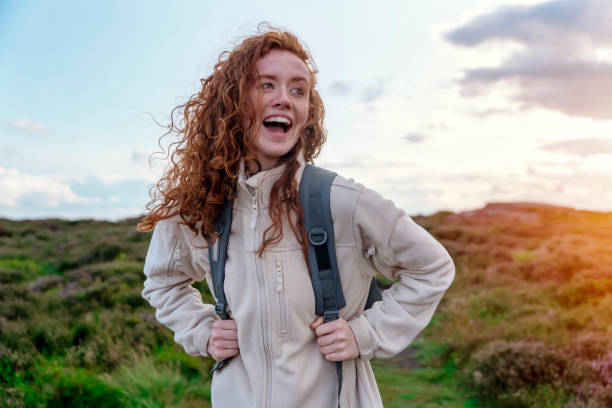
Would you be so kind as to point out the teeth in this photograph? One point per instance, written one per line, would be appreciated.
(278, 119)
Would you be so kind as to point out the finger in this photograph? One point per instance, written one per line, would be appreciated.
(318, 321)
(337, 356)
(326, 340)
(225, 331)
(226, 335)
(227, 353)
(332, 348)
(327, 328)
(226, 344)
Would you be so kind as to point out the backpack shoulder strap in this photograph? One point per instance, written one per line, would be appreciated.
(315, 188)
(217, 254)
(314, 194)
(315, 191)
(216, 258)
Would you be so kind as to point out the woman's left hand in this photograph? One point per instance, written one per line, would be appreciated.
(336, 339)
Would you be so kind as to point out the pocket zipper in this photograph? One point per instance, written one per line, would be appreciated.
(279, 275)
(282, 303)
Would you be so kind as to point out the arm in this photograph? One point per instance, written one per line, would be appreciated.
(404, 251)
(171, 266)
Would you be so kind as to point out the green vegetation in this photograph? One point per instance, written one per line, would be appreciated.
(525, 324)
(74, 328)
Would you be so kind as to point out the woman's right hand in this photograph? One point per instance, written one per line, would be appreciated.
(223, 341)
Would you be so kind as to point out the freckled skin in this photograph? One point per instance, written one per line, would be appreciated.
(282, 90)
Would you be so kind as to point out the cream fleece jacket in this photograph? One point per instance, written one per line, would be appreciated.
(272, 301)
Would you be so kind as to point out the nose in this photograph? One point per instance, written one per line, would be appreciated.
(282, 99)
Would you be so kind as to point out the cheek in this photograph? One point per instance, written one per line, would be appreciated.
(304, 113)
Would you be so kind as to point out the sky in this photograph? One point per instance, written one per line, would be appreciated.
(436, 105)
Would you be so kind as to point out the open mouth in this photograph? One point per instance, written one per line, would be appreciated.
(277, 124)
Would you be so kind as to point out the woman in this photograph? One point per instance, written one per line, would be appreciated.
(247, 136)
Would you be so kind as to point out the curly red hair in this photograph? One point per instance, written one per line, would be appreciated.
(212, 140)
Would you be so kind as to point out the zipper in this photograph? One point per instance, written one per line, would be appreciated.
(282, 303)
(265, 334)
(267, 353)
(253, 221)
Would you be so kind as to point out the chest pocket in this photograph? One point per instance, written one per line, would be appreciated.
(281, 297)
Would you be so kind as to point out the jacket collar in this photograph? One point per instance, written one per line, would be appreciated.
(260, 184)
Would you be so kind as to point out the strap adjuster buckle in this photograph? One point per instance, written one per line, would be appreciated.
(221, 309)
(330, 315)
(317, 236)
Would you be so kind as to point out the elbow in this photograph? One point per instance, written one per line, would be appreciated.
(148, 294)
(449, 271)
(153, 292)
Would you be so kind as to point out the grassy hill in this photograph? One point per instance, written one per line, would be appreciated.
(526, 323)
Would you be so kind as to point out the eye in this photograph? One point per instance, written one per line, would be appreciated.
(298, 91)
(267, 85)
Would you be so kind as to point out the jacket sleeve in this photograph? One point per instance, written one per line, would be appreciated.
(171, 266)
(403, 251)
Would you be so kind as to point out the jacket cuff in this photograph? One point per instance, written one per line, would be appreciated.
(362, 335)
(203, 337)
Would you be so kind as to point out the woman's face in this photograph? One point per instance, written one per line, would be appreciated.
(280, 97)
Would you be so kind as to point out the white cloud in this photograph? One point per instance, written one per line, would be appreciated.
(27, 126)
(15, 186)
(582, 147)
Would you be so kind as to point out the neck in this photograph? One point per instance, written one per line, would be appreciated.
(253, 168)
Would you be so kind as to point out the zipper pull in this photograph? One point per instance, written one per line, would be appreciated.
(279, 275)
(253, 213)
(371, 251)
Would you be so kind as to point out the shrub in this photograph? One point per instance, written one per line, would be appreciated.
(78, 388)
(502, 368)
(583, 290)
(492, 304)
(49, 338)
(13, 270)
(533, 374)
(102, 253)
(147, 384)
(190, 367)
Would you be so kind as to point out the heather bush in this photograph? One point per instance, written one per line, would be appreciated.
(581, 290)
(533, 374)
(502, 367)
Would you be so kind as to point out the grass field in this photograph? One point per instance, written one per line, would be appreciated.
(526, 323)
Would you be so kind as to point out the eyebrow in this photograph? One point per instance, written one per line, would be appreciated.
(274, 77)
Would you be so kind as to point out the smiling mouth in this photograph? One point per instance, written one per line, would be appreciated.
(277, 124)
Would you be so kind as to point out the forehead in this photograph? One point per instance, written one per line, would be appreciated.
(282, 64)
